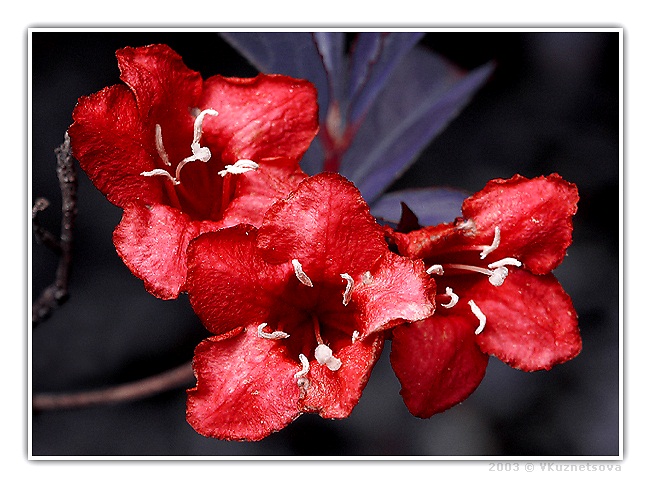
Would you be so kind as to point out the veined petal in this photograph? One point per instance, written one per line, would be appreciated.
(534, 217)
(396, 290)
(152, 241)
(107, 132)
(334, 394)
(437, 362)
(326, 225)
(256, 191)
(228, 282)
(263, 117)
(531, 321)
(245, 390)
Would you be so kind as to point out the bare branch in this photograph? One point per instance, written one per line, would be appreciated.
(172, 379)
(56, 293)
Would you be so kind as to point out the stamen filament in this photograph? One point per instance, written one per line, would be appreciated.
(239, 167)
(478, 313)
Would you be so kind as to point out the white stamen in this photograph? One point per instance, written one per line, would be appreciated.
(504, 262)
(276, 335)
(478, 313)
(305, 366)
(159, 172)
(500, 273)
(488, 249)
(159, 146)
(346, 298)
(199, 153)
(324, 356)
(436, 269)
(301, 275)
(239, 167)
(498, 276)
(197, 127)
(467, 226)
(355, 336)
(367, 278)
(454, 298)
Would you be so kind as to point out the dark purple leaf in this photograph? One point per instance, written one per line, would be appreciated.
(423, 95)
(331, 48)
(374, 57)
(431, 205)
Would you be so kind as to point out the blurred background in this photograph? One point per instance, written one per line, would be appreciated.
(552, 105)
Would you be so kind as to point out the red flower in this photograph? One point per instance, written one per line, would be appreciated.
(497, 295)
(299, 308)
(174, 151)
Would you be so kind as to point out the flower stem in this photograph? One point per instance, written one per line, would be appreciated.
(172, 379)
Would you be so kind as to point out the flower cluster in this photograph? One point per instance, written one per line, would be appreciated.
(291, 274)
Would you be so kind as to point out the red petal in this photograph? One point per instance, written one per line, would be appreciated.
(437, 362)
(399, 290)
(334, 394)
(531, 322)
(261, 117)
(245, 390)
(165, 91)
(534, 216)
(113, 134)
(327, 226)
(257, 190)
(228, 283)
(108, 133)
(152, 241)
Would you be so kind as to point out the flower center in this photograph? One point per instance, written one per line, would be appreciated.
(197, 197)
(497, 271)
(199, 153)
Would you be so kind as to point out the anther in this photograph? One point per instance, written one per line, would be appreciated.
(454, 298)
(504, 262)
(467, 226)
(324, 356)
(162, 173)
(346, 297)
(492, 247)
(305, 366)
(197, 126)
(301, 275)
(478, 313)
(498, 276)
(159, 146)
(239, 167)
(355, 336)
(367, 278)
(435, 269)
(302, 381)
(276, 335)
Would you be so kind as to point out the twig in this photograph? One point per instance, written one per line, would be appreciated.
(172, 379)
(56, 293)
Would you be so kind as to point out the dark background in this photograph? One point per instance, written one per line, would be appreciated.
(552, 105)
